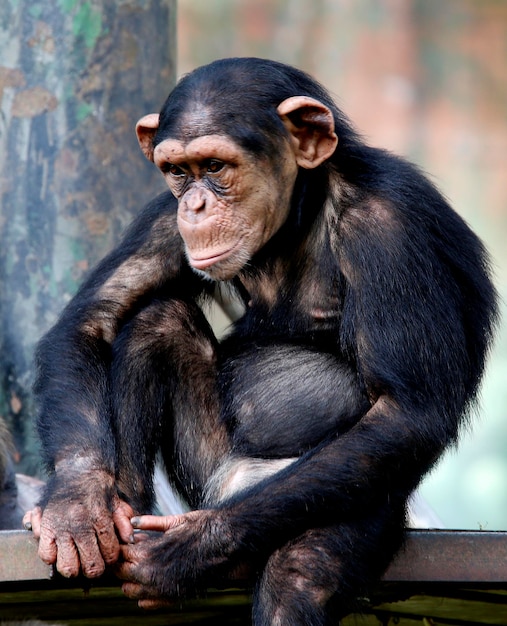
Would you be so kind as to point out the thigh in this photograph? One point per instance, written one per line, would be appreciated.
(281, 400)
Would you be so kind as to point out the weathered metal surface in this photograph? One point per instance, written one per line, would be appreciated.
(451, 556)
(18, 558)
(441, 578)
(429, 556)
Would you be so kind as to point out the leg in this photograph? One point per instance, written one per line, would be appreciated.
(164, 395)
(316, 578)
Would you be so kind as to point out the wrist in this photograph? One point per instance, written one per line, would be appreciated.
(81, 463)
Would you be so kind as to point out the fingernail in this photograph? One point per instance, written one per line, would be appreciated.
(135, 521)
(27, 525)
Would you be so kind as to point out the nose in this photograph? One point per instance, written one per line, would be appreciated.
(193, 205)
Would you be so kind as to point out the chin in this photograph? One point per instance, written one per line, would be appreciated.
(219, 272)
(205, 274)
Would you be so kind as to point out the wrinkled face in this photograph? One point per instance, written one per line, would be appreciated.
(230, 201)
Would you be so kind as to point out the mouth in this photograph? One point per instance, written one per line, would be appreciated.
(203, 263)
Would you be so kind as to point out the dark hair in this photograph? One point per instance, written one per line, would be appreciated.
(240, 97)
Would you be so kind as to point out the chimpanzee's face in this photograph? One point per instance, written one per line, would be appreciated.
(230, 202)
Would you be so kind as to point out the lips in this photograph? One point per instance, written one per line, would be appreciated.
(202, 263)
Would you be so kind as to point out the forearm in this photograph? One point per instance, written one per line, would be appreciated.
(71, 390)
(73, 359)
(346, 478)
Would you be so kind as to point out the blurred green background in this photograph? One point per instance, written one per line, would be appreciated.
(426, 79)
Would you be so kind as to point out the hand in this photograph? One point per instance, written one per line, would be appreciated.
(147, 595)
(76, 530)
(186, 555)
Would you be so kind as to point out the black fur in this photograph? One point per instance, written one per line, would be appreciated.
(366, 395)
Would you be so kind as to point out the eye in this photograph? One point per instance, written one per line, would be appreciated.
(214, 166)
(173, 170)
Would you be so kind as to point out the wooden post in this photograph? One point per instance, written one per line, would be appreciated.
(75, 75)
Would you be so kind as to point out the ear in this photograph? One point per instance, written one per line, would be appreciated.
(311, 125)
(146, 128)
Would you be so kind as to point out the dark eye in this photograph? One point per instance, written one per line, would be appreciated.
(173, 170)
(214, 166)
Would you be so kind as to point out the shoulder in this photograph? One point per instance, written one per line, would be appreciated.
(156, 221)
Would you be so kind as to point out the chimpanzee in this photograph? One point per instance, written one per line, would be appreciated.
(297, 439)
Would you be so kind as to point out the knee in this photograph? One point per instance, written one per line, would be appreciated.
(165, 317)
(295, 587)
(305, 571)
(168, 325)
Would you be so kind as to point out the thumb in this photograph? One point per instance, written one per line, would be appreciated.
(121, 518)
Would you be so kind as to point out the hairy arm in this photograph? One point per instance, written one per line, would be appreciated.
(80, 506)
(73, 357)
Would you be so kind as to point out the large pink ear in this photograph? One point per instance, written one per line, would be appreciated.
(146, 128)
(311, 125)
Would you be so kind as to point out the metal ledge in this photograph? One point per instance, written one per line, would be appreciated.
(442, 578)
(451, 556)
(428, 556)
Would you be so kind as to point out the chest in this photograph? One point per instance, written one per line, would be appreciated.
(299, 294)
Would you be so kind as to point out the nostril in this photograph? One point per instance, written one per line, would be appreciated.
(195, 201)
(193, 207)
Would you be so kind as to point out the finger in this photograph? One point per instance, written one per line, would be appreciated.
(146, 596)
(133, 567)
(107, 540)
(126, 571)
(67, 557)
(90, 557)
(133, 590)
(27, 520)
(31, 521)
(47, 545)
(140, 535)
(121, 518)
(160, 523)
(130, 553)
